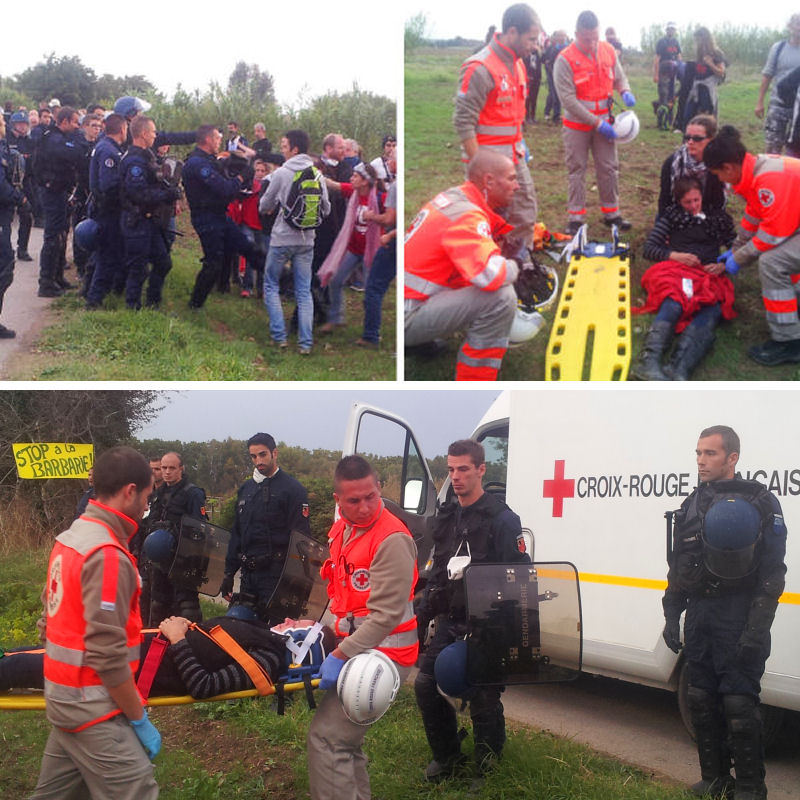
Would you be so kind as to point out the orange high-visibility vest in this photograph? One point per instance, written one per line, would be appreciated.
(65, 670)
(501, 118)
(770, 186)
(451, 244)
(347, 573)
(593, 79)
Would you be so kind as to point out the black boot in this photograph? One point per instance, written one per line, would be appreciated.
(709, 728)
(693, 345)
(747, 746)
(648, 367)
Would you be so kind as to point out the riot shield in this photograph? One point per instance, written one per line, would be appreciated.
(301, 593)
(199, 562)
(524, 623)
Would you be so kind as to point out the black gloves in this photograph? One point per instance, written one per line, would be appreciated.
(226, 587)
(672, 635)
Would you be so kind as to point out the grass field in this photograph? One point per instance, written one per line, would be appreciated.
(433, 163)
(228, 340)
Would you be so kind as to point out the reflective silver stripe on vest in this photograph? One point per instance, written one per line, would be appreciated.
(402, 639)
(421, 285)
(490, 272)
(751, 219)
(57, 691)
(768, 238)
(65, 655)
(497, 130)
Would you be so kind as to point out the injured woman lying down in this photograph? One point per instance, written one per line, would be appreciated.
(198, 659)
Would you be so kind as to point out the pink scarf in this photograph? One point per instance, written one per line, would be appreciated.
(373, 238)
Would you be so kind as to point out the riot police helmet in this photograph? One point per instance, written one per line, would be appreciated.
(730, 532)
(450, 670)
(242, 611)
(159, 547)
(19, 116)
(87, 233)
(129, 107)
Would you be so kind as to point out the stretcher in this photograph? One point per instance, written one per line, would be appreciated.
(591, 334)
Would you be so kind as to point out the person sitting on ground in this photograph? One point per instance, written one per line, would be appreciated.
(687, 286)
(687, 162)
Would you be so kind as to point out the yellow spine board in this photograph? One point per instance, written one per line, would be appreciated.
(593, 314)
(35, 701)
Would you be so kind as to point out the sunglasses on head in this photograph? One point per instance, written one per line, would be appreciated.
(688, 138)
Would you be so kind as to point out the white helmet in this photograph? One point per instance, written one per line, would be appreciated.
(367, 686)
(626, 126)
(525, 326)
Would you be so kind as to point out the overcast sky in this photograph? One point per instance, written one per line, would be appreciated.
(449, 18)
(316, 418)
(322, 46)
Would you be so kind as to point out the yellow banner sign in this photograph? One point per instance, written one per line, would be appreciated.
(53, 460)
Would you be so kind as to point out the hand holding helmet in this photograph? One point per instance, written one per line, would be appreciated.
(607, 130)
(329, 671)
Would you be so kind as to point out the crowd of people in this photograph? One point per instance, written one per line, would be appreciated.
(110, 176)
(468, 263)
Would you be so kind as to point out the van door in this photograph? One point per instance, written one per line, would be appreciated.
(407, 487)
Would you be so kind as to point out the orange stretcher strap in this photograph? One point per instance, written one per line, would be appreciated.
(255, 671)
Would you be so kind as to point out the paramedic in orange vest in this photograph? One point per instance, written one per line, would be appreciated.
(586, 74)
(490, 112)
(769, 233)
(371, 576)
(101, 742)
(456, 278)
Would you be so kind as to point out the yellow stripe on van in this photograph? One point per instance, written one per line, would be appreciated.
(792, 598)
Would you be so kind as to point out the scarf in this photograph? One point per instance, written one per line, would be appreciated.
(684, 166)
(334, 259)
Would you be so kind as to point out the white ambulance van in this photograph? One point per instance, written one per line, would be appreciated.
(591, 473)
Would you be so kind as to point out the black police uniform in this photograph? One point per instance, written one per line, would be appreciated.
(24, 146)
(169, 505)
(58, 158)
(80, 200)
(11, 197)
(494, 534)
(144, 194)
(727, 635)
(266, 515)
(105, 209)
(208, 193)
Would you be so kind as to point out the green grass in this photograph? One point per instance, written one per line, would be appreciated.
(228, 340)
(432, 158)
(243, 749)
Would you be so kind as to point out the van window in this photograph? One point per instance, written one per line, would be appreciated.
(495, 445)
(391, 450)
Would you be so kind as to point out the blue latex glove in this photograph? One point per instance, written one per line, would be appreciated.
(329, 671)
(731, 267)
(148, 735)
(628, 99)
(607, 130)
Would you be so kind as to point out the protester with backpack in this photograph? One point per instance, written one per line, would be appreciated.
(298, 188)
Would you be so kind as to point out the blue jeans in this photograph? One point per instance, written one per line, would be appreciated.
(350, 264)
(300, 258)
(381, 274)
(707, 317)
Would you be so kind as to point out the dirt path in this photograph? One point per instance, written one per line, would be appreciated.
(23, 311)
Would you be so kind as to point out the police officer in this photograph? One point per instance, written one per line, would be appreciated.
(11, 197)
(104, 182)
(208, 192)
(176, 497)
(143, 194)
(483, 527)
(726, 570)
(58, 158)
(130, 107)
(19, 140)
(269, 506)
(86, 137)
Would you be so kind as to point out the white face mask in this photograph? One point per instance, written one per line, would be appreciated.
(457, 564)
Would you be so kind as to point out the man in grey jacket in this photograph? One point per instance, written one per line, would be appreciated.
(298, 188)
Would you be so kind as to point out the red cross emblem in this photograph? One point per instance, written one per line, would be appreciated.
(360, 580)
(558, 488)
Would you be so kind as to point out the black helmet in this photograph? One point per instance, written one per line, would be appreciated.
(731, 529)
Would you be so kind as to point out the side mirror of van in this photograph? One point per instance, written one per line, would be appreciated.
(412, 494)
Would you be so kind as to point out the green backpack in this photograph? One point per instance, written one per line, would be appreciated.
(303, 207)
